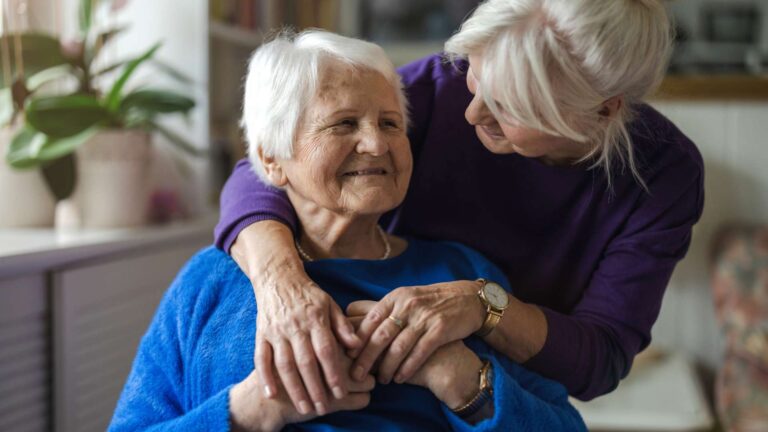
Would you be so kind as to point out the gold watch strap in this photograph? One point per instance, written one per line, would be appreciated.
(492, 319)
(483, 395)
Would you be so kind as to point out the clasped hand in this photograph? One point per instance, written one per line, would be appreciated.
(303, 333)
(431, 315)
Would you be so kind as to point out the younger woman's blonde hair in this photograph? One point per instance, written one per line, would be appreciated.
(552, 64)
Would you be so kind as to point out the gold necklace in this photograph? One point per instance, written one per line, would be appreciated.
(387, 247)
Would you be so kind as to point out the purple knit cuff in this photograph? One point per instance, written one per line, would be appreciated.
(550, 358)
(224, 241)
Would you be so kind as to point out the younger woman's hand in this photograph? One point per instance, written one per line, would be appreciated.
(431, 315)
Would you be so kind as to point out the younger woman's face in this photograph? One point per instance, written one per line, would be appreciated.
(504, 138)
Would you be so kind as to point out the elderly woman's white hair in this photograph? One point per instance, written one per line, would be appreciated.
(551, 64)
(282, 78)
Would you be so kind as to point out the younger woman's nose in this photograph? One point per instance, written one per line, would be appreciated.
(477, 112)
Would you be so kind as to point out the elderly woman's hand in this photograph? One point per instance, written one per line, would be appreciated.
(451, 373)
(297, 328)
(250, 410)
(431, 315)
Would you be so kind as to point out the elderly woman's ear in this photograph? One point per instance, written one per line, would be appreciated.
(273, 170)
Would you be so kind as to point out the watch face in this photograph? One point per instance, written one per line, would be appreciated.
(496, 295)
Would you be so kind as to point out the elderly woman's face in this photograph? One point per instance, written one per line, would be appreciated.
(351, 153)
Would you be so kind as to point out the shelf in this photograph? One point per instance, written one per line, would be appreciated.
(714, 87)
(231, 34)
(26, 250)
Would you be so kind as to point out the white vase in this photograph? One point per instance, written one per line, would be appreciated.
(112, 179)
(25, 200)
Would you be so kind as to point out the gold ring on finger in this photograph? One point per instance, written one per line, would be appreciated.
(398, 322)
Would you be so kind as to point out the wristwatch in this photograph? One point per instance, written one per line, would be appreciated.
(495, 300)
(483, 396)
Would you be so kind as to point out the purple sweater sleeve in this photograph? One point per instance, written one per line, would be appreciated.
(591, 348)
(245, 199)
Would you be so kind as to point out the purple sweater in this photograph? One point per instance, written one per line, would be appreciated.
(596, 261)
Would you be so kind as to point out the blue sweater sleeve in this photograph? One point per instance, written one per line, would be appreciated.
(522, 400)
(155, 396)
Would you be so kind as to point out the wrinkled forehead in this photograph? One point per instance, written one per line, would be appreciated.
(336, 77)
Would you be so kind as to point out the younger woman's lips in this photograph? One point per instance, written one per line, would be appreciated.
(493, 134)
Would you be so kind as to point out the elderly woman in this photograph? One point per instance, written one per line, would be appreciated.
(534, 147)
(326, 120)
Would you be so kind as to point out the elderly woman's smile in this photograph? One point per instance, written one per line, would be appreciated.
(366, 172)
(351, 153)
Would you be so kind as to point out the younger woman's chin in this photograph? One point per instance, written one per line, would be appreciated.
(498, 147)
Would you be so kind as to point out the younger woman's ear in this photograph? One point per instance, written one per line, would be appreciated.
(611, 106)
(273, 170)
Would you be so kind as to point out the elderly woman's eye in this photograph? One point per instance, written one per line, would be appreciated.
(343, 126)
(391, 124)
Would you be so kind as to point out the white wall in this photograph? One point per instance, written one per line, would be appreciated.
(733, 139)
(183, 28)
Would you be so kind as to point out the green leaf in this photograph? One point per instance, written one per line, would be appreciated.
(157, 101)
(37, 80)
(177, 140)
(63, 116)
(97, 44)
(110, 68)
(86, 15)
(30, 148)
(55, 148)
(24, 148)
(172, 72)
(113, 99)
(61, 176)
(39, 51)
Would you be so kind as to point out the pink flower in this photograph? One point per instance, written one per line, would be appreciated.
(72, 48)
(118, 4)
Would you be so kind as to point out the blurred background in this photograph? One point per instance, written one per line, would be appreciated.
(78, 284)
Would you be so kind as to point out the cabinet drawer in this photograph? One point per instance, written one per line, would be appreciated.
(100, 313)
(24, 355)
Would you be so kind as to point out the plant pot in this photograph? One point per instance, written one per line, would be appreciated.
(112, 179)
(25, 200)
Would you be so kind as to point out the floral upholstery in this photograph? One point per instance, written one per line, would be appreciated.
(740, 284)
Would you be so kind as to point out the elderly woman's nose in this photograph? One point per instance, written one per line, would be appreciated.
(477, 112)
(372, 141)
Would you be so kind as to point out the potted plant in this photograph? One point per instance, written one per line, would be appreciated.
(90, 141)
(25, 201)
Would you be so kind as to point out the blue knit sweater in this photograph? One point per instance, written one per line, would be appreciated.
(200, 343)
